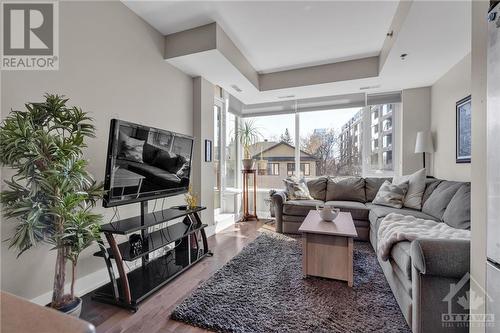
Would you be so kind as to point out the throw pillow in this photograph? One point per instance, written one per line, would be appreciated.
(391, 195)
(296, 189)
(166, 161)
(131, 149)
(184, 171)
(416, 188)
(149, 153)
(372, 185)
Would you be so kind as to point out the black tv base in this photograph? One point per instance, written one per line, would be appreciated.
(190, 246)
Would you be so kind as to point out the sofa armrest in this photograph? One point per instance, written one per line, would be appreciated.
(441, 257)
(278, 199)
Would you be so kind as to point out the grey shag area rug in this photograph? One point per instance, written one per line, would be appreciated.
(262, 290)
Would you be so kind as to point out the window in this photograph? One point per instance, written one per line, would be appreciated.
(225, 155)
(216, 154)
(387, 124)
(276, 146)
(305, 169)
(231, 150)
(273, 169)
(381, 148)
(387, 140)
(331, 142)
(387, 156)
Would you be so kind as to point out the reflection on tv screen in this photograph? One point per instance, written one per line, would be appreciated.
(147, 162)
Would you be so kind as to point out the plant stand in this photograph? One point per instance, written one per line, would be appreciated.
(131, 288)
(246, 215)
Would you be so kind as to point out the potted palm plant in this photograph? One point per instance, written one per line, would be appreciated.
(248, 135)
(51, 195)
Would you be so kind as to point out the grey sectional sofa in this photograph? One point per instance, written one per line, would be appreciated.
(419, 273)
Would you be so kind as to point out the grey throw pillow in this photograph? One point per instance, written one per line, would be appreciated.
(416, 188)
(391, 195)
(457, 213)
(296, 189)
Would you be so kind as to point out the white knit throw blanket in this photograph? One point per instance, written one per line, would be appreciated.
(396, 228)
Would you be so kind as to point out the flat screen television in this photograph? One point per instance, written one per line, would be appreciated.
(145, 163)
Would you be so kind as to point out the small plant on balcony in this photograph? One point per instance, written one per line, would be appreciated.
(248, 135)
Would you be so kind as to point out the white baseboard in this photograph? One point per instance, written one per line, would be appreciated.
(83, 285)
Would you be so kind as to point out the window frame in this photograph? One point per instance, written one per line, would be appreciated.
(270, 166)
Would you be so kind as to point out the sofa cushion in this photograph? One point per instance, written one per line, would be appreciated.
(400, 253)
(346, 189)
(372, 185)
(457, 213)
(358, 210)
(317, 187)
(430, 186)
(416, 188)
(377, 213)
(437, 202)
(300, 207)
(391, 195)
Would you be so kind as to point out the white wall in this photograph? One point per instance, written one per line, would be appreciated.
(111, 64)
(449, 89)
(479, 156)
(415, 117)
(204, 172)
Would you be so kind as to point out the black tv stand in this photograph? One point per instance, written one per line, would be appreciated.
(131, 288)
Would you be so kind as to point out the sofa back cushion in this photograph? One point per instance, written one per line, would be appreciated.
(457, 213)
(439, 199)
(430, 186)
(345, 189)
(373, 185)
(317, 187)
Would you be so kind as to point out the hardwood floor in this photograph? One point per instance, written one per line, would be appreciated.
(153, 314)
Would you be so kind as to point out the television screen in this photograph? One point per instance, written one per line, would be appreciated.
(145, 163)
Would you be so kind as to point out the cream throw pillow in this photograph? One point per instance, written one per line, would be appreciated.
(391, 195)
(296, 189)
(416, 188)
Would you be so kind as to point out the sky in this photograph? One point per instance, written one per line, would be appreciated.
(272, 127)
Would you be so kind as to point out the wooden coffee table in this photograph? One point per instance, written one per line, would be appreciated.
(328, 246)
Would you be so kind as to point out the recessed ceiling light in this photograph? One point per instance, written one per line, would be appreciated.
(235, 87)
(370, 87)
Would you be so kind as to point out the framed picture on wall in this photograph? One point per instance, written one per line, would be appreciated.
(208, 151)
(463, 131)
